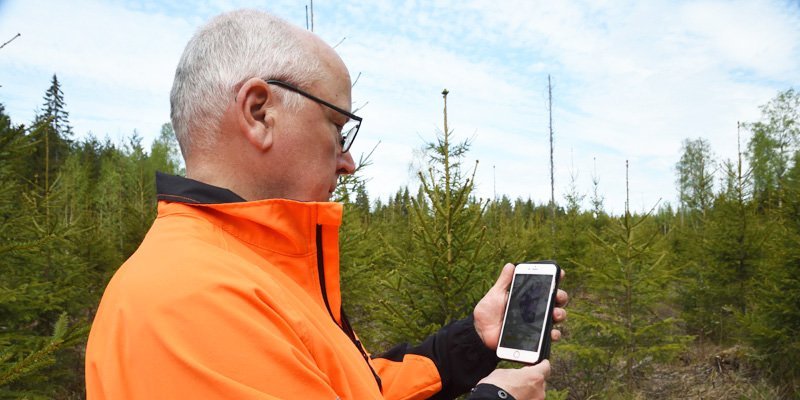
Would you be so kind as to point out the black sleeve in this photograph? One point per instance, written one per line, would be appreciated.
(459, 355)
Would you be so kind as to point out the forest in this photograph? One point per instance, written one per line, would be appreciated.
(697, 299)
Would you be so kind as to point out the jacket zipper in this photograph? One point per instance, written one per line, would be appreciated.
(345, 326)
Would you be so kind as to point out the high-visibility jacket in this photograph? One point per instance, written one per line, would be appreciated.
(227, 299)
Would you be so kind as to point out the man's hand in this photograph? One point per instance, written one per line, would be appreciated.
(489, 311)
(526, 383)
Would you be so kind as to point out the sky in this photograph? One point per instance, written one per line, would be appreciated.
(631, 80)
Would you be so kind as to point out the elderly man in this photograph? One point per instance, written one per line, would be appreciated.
(234, 292)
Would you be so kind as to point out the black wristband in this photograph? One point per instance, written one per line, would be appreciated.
(487, 391)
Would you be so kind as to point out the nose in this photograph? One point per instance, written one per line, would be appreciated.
(346, 165)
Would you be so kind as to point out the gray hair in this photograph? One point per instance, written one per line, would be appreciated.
(224, 53)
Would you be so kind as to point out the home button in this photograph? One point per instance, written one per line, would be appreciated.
(516, 354)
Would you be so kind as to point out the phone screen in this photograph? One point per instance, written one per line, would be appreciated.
(525, 316)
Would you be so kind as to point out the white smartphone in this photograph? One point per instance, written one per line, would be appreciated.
(528, 319)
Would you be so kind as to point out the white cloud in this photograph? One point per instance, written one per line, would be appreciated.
(105, 43)
(637, 79)
(631, 79)
(746, 34)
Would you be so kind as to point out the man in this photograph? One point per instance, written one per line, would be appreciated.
(234, 292)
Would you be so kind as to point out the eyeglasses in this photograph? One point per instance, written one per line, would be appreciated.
(350, 128)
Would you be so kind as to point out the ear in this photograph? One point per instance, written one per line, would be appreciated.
(255, 113)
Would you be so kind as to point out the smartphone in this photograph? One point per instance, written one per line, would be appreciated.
(528, 319)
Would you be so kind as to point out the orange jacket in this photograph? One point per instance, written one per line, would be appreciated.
(241, 300)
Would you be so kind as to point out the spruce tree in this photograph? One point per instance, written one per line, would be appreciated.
(599, 214)
(70, 213)
(623, 320)
(573, 240)
(361, 254)
(771, 319)
(52, 135)
(55, 110)
(695, 181)
(733, 248)
(506, 232)
(34, 299)
(447, 269)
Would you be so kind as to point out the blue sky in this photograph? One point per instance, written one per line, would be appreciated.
(631, 79)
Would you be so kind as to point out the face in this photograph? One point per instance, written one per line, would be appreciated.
(309, 138)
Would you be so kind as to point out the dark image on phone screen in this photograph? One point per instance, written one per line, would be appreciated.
(527, 311)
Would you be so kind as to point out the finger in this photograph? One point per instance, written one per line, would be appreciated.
(555, 334)
(559, 314)
(563, 274)
(504, 280)
(562, 298)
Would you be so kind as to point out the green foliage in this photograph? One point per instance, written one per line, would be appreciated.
(40, 284)
(696, 176)
(554, 394)
(443, 272)
(624, 325)
(70, 213)
(719, 265)
(772, 324)
(573, 245)
(513, 233)
(771, 320)
(723, 266)
(726, 268)
(361, 255)
(164, 153)
(51, 136)
(55, 110)
(43, 356)
(775, 140)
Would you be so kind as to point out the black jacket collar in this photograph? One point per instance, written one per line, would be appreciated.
(184, 190)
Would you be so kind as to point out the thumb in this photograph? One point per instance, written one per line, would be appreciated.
(542, 368)
(504, 280)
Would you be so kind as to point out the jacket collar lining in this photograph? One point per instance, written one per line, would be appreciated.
(184, 190)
